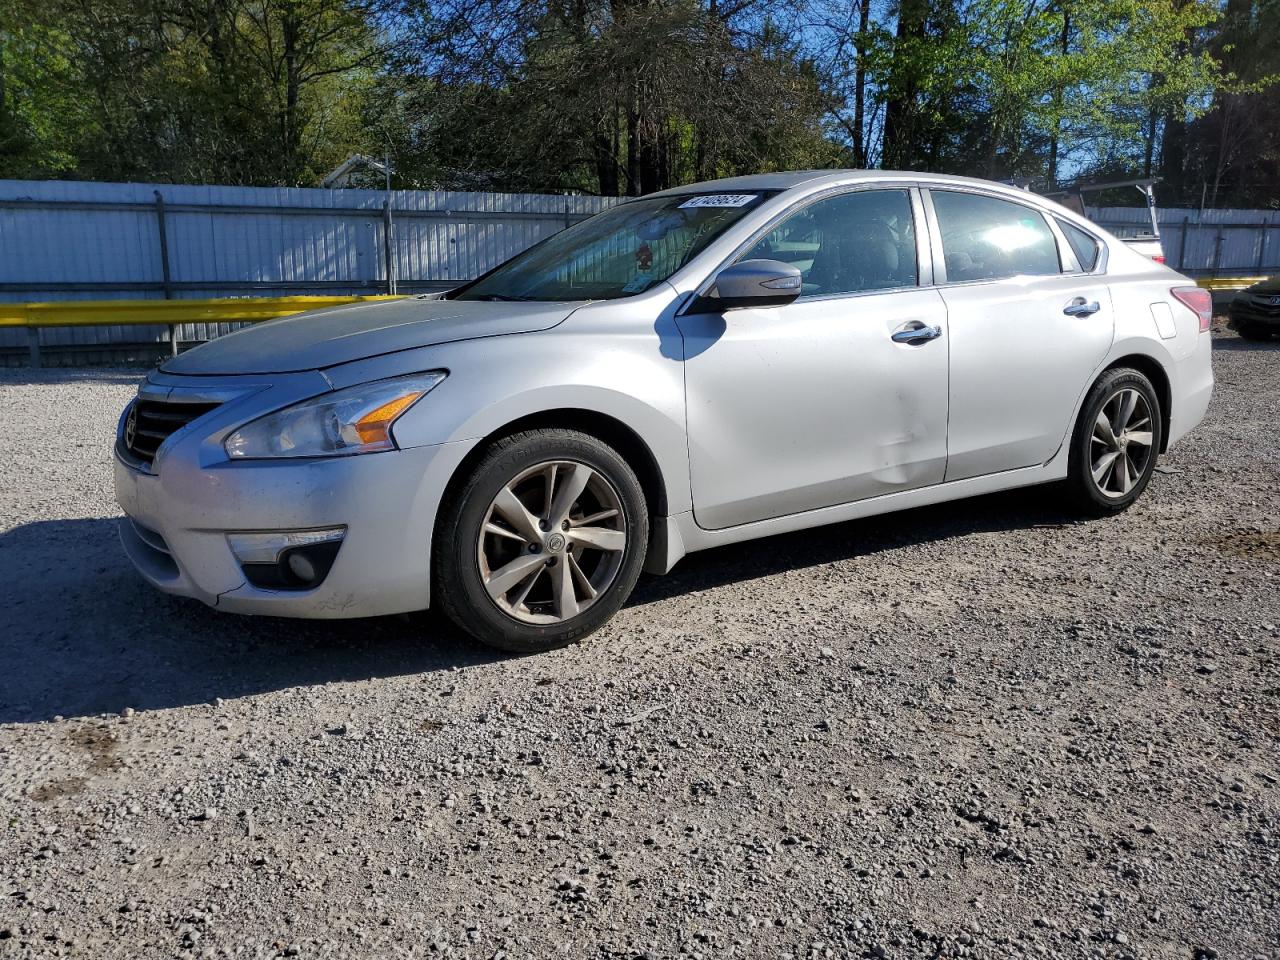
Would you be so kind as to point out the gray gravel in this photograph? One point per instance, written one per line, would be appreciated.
(974, 730)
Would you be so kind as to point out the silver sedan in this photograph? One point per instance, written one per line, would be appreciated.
(693, 368)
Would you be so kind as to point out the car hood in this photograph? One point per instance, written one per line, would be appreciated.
(1266, 286)
(325, 338)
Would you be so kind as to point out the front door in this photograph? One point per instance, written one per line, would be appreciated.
(816, 403)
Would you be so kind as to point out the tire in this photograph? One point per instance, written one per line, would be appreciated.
(514, 577)
(1136, 447)
(1256, 334)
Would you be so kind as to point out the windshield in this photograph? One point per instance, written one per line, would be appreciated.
(618, 253)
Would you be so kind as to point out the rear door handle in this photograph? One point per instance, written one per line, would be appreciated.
(915, 332)
(1080, 307)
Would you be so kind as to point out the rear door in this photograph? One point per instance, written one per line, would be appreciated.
(1028, 326)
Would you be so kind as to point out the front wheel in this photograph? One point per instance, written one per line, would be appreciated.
(1256, 334)
(542, 542)
(1115, 443)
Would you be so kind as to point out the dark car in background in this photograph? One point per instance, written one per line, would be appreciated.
(1255, 311)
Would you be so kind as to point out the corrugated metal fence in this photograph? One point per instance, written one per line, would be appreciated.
(73, 240)
(1206, 243)
(64, 240)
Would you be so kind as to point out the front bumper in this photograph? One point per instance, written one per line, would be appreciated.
(1248, 311)
(177, 521)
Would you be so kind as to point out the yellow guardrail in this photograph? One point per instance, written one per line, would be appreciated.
(1228, 283)
(174, 313)
(86, 313)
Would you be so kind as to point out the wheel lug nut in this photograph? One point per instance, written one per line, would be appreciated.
(565, 525)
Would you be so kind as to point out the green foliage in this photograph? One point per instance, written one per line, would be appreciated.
(629, 96)
(38, 114)
(237, 91)
(628, 99)
(1020, 88)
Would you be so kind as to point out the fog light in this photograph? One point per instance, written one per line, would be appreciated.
(301, 567)
(287, 560)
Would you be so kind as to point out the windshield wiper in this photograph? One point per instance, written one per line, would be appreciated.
(502, 297)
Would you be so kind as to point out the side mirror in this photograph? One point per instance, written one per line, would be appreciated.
(754, 283)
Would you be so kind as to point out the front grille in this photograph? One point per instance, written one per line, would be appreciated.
(1264, 305)
(153, 421)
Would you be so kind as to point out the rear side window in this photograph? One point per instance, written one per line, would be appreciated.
(1085, 247)
(986, 238)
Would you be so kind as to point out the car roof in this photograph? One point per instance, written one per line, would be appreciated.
(787, 180)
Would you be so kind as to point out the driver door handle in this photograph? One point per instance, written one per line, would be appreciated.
(1080, 307)
(915, 332)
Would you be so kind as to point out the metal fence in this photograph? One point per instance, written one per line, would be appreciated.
(63, 240)
(1205, 243)
(74, 240)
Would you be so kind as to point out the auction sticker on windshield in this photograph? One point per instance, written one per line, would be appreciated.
(720, 200)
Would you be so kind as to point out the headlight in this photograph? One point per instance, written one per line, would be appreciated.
(355, 420)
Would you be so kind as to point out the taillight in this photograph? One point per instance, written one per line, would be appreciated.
(1198, 301)
(1158, 258)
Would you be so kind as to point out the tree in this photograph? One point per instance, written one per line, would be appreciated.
(621, 97)
(236, 91)
(628, 96)
(1231, 153)
(1018, 88)
(36, 115)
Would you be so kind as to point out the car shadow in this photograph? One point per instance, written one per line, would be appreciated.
(83, 634)
(1011, 510)
(1233, 341)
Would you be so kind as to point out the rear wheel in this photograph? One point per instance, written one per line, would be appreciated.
(1115, 444)
(542, 543)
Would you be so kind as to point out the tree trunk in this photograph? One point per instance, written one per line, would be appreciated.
(633, 154)
(900, 98)
(860, 87)
(605, 148)
(1173, 157)
(1149, 148)
(1065, 47)
(291, 136)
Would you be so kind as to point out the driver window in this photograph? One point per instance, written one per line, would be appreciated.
(849, 243)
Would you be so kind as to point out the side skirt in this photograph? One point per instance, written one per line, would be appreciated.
(675, 536)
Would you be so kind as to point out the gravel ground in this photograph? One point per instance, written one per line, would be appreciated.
(974, 730)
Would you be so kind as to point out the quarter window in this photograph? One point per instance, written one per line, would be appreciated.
(848, 243)
(985, 238)
(1084, 245)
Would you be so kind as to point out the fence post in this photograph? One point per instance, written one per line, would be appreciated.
(33, 345)
(1182, 244)
(567, 222)
(1262, 244)
(165, 279)
(1217, 252)
(388, 254)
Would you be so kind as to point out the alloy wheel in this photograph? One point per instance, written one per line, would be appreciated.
(552, 542)
(1121, 445)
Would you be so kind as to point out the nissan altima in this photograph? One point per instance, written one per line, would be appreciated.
(697, 367)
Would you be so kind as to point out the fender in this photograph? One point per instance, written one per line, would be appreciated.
(631, 382)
